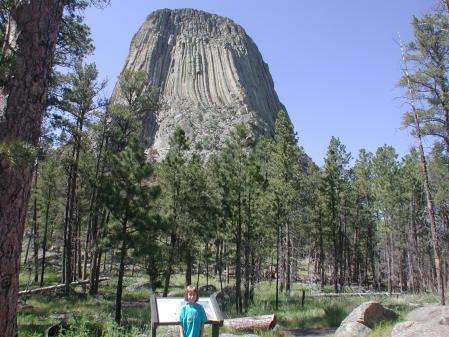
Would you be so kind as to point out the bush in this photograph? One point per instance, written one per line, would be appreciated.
(88, 326)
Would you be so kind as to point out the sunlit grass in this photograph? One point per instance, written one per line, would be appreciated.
(38, 312)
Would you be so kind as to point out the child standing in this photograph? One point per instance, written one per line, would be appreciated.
(192, 315)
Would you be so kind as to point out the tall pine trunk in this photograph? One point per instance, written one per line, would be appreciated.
(247, 252)
(72, 244)
(35, 26)
(370, 249)
(427, 189)
(335, 257)
(238, 263)
(97, 252)
(247, 275)
(189, 263)
(206, 262)
(121, 273)
(44, 241)
(278, 244)
(87, 250)
(288, 266)
(35, 228)
(67, 259)
(220, 264)
(92, 231)
(171, 260)
(431, 212)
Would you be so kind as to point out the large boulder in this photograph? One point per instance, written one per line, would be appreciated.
(360, 321)
(428, 321)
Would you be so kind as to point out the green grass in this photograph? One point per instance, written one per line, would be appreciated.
(38, 312)
(315, 313)
(325, 312)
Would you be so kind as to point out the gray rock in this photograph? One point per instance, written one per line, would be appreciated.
(352, 329)
(211, 77)
(428, 321)
(360, 321)
(430, 313)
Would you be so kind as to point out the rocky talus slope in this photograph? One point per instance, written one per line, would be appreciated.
(210, 74)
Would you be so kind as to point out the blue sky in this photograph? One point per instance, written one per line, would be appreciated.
(335, 63)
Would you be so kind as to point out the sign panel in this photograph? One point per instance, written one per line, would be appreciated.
(168, 309)
(165, 311)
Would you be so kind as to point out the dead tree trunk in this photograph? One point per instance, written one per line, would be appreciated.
(251, 323)
(427, 189)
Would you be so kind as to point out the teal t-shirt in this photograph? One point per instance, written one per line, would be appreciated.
(191, 318)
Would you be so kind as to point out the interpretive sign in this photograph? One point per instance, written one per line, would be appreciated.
(165, 311)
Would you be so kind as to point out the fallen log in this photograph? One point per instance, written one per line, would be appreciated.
(57, 286)
(251, 323)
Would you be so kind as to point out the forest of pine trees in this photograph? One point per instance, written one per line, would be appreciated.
(95, 201)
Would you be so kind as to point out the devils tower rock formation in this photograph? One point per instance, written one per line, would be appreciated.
(210, 74)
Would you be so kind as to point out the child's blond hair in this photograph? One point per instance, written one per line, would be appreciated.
(189, 289)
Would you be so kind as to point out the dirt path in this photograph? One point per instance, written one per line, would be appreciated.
(311, 332)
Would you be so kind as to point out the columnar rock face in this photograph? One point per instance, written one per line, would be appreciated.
(210, 74)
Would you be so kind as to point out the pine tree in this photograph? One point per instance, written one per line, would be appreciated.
(79, 101)
(23, 93)
(283, 178)
(414, 199)
(171, 173)
(363, 190)
(427, 58)
(128, 193)
(334, 179)
(232, 163)
(413, 99)
(48, 190)
(385, 179)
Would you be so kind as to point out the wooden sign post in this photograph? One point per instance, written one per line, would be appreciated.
(165, 311)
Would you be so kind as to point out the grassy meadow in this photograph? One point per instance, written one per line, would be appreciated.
(89, 316)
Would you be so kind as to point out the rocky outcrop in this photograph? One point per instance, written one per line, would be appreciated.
(210, 74)
(429, 321)
(360, 321)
